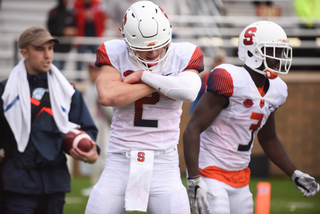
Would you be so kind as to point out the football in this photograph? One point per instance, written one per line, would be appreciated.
(76, 138)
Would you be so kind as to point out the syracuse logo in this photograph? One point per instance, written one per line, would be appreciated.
(248, 103)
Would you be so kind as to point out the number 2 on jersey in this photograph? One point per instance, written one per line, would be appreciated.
(138, 108)
(253, 127)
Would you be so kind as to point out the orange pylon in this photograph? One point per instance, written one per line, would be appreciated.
(263, 198)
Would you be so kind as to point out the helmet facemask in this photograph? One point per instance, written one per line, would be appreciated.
(146, 64)
(275, 59)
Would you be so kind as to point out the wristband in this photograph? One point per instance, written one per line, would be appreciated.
(193, 177)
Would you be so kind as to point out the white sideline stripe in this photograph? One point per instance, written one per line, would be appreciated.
(74, 200)
(294, 205)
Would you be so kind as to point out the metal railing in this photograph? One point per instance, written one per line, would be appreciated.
(187, 29)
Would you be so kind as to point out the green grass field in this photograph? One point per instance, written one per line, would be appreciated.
(285, 198)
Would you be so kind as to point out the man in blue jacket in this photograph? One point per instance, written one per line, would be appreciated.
(37, 107)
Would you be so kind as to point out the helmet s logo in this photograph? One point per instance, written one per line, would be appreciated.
(151, 43)
(248, 35)
(248, 103)
(163, 13)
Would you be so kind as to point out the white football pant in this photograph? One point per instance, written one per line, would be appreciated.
(229, 200)
(167, 193)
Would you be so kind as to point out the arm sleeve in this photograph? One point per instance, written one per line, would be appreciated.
(184, 87)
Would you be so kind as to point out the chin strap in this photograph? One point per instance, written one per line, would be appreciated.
(270, 75)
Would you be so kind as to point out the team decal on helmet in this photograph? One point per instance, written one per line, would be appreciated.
(261, 41)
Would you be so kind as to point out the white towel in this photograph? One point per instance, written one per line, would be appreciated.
(61, 93)
(138, 187)
(17, 106)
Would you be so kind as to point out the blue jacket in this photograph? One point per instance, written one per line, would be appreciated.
(42, 167)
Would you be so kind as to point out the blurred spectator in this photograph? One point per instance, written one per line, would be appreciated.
(101, 116)
(90, 21)
(267, 3)
(267, 9)
(61, 23)
(308, 11)
(219, 58)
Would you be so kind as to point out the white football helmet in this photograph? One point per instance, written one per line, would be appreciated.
(145, 28)
(264, 40)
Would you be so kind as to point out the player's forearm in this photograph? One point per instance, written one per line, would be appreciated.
(120, 94)
(278, 155)
(184, 87)
(191, 147)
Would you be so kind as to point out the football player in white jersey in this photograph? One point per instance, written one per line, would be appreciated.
(238, 105)
(145, 78)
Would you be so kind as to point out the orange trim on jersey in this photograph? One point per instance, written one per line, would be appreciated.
(220, 82)
(102, 56)
(46, 109)
(233, 178)
(196, 61)
(34, 101)
(261, 90)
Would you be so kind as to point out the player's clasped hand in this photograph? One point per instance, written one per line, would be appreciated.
(305, 183)
(197, 191)
(134, 77)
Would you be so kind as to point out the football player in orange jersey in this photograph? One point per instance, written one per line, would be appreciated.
(239, 105)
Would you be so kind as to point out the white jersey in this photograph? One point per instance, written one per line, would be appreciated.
(227, 142)
(152, 122)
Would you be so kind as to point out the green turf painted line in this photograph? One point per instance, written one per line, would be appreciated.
(74, 200)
